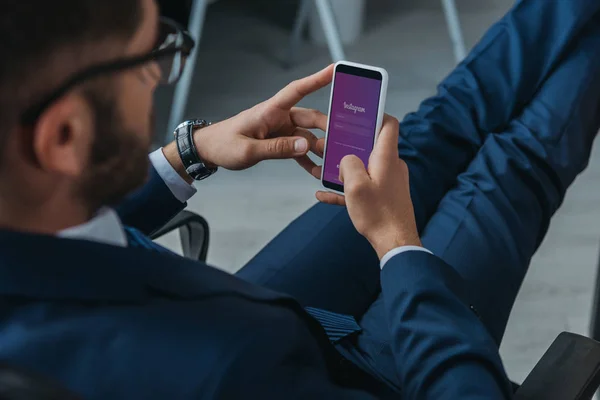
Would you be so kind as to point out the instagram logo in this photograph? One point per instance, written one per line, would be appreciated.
(354, 108)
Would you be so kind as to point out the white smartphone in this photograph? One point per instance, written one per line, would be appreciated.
(356, 110)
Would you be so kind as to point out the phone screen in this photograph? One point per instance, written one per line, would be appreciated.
(352, 119)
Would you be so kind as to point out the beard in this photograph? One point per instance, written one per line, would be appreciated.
(118, 162)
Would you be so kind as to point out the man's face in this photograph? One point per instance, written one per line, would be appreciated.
(123, 124)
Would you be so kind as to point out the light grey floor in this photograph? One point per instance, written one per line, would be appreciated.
(239, 66)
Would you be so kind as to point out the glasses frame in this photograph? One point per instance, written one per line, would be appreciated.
(184, 46)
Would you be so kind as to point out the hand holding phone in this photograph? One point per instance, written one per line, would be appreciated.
(378, 199)
(356, 110)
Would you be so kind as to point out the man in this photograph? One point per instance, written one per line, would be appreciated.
(87, 299)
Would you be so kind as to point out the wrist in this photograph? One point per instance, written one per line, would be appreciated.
(172, 155)
(384, 242)
(201, 139)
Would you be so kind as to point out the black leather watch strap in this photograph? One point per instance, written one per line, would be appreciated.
(184, 137)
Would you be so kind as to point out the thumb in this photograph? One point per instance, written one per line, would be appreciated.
(279, 148)
(352, 170)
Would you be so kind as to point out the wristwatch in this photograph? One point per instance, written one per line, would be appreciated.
(184, 137)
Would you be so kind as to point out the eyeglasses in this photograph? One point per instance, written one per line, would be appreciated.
(174, 45)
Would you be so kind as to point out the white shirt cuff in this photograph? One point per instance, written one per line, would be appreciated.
(399, 250)
(182, 190)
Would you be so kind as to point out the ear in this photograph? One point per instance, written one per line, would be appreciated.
(63, 134)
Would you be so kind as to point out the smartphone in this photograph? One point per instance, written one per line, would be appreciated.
(356, 110)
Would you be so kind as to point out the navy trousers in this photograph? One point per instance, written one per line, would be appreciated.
(490, 157)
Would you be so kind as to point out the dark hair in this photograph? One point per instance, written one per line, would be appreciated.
(34, 33)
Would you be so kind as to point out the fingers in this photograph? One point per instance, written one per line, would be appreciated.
(352, 171)
(308, 118)
(283, 147)
(290, 95)
(331, 198)
(385, 151)
(276, 149)
(319, 147)
(387, 142)
(315, 144)
(316, 147)
(310, 167)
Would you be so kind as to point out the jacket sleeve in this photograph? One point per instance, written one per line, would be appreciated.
(151, 206)
(443, 350)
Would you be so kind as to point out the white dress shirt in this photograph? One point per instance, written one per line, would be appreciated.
(106, 227)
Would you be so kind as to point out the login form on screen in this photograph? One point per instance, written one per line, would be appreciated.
(352, 121)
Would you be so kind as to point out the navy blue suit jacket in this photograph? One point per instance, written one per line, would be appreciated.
(126, 323)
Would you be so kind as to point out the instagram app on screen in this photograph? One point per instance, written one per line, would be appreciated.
(353, 116)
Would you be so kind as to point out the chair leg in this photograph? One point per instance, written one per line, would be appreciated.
(330, 28)
(454, 29)
(194, 240)
(297, 30)
(595, 317)
(182, 90)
